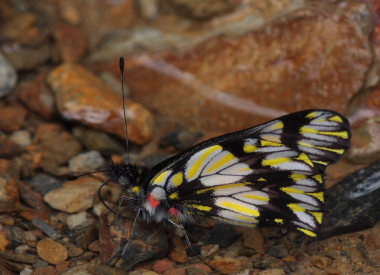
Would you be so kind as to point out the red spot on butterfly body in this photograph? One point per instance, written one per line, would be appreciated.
(173, 211)
(153, 202)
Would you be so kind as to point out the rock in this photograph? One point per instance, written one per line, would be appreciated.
(94, 246)
(178, 251)
(176, 271)
(74, 196)
(365, 145)
(225, 265)
(94, 269)
(272, 271)
(55, 145)
(36, 96)
(8, 191)
(46, 228)
(3, 241)
(205, 10)
(86, 162)
(163, 265)
(223, 235)
(208, 250)
(73, 250)
(43, 183)
(181, 139)
(23, 57)
(98, 141)
(51, 251)
(321, 262)
(8, 148)
(148, 9)
(80, 219)
(353, 203)
(12, 117)
(272, 61)
(71, 42)
(21, 138)
(83, 97)
(102, 18)
(149, 242)
(8, 76)
(252, 238)
(84, 237)
(142, 272)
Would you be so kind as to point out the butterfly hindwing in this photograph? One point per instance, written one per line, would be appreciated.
(268, 174)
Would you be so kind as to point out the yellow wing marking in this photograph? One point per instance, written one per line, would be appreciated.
(307, 232)
(319, 196)
(336, 119)
(199, 163)
(317, 215)
(256, 197)
(321, 162)
(342, 134)
(270, 143)
(225, 159)
(292, 190)
(296, 208)
(173, 196)
(177, 179)
(248, 219)
(271, 138)
(249, 148)
(278, 220)
(274, 162)
(312, 115)
(305, 158)
(200, 207)
(261, 179)
(277, 126)
(240, 208)
(318, 178)
(337, 151)
(161, 177)
(297, 177)
(136, 189)
(232, 185)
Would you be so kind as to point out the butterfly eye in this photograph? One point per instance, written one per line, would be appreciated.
(124, 181)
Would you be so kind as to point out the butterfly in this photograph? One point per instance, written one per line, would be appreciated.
(270, 174)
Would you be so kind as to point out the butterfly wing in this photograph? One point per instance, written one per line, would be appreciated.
(268, 174)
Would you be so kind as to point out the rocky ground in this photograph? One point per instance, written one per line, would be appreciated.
(194, 70)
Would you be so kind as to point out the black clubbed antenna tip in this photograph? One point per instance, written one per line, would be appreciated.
(121, 64)
(121, 67)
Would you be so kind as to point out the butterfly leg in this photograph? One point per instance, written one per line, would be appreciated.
(180, 227)
(121, 254)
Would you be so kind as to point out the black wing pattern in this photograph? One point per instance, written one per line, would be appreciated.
(269, 174)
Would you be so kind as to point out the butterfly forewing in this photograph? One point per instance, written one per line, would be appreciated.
(268, 174)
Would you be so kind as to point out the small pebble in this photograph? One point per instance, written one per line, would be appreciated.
(44, 183)
(26, 271)
(21, 137)
(208, 250)
(225, 265)
(8, 76)
(163, 265)
(51, 251)
(272, 271)
(74, 196)
(86, 162)
(80, 219)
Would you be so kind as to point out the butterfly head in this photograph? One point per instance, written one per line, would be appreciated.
(124, 174)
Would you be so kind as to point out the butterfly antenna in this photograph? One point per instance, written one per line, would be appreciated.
(88, 173)
(121, 67)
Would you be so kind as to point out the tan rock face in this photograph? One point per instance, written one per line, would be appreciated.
(51, 251)
(74, 196)
(313, 58)
(81, 96)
